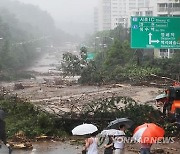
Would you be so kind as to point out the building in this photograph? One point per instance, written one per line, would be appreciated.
(112, 13)
(165, 8)
(95, 19)
(103, 13)
(159, 8)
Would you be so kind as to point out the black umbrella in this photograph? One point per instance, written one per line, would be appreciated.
(121, 121)
(2, 114)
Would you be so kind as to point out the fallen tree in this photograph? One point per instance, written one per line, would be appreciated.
(33, 121)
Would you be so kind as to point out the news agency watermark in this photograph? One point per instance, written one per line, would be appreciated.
(158, 140)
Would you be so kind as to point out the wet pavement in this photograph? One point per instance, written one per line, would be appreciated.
(47, 63)
(47, 148)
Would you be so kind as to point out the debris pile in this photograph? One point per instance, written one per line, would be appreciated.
(19, 141)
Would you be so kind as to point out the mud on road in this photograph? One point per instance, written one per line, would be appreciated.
(56, 94)
(52, 92)
(61, 98)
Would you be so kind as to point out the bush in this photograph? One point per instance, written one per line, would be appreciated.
(23, 116)
(105, 110)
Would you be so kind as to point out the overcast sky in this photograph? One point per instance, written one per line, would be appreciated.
(67, 10)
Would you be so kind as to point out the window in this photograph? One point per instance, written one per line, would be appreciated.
(148, 13)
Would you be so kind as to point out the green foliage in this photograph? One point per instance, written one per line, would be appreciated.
(167, 67)
(83, 53)
(71, 65)
(120, 63)
(90, 74)
(23, 116)
(24, 28)
(14, 55)
(105, 110)
(118, 54)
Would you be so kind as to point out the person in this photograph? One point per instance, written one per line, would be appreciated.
(118, 140)
(2, 127)
(91, 146)
(145, 148)
(109, 146)
(165, 103)
(3, 136)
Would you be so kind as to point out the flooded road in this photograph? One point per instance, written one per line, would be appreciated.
(58, 98)
(47, 148)
(46, 63)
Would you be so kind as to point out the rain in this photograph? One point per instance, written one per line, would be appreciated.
(81, 73)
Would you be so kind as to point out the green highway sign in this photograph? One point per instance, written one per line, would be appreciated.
(155, 32)
(90, 56)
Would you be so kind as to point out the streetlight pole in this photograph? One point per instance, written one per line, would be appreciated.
(95, 43)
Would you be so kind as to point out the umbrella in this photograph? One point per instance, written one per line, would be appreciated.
(102, 140)
(2, 114)
(121, 121)
(84, 129)
(111, 132)
(148, 133)
(161, 96)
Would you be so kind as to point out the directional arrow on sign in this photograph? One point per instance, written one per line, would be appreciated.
(155, 41)
(152, 41)
(150, 36)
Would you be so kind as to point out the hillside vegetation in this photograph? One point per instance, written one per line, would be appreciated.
(115, 61)
(24, 29)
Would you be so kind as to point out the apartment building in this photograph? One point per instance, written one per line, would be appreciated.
(169, 8)
(112, 13)
(103, 13)
(166, 7)
(96, 19)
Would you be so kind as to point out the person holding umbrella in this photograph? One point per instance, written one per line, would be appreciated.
(91, 141)
(91, 146)
(145, 148)
(146, 135)
(121, 124)
(119, 140)
(108, 135)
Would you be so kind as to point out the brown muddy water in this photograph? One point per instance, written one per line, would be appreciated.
(47, 148)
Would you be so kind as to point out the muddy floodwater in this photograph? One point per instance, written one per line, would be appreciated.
(47, 148)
